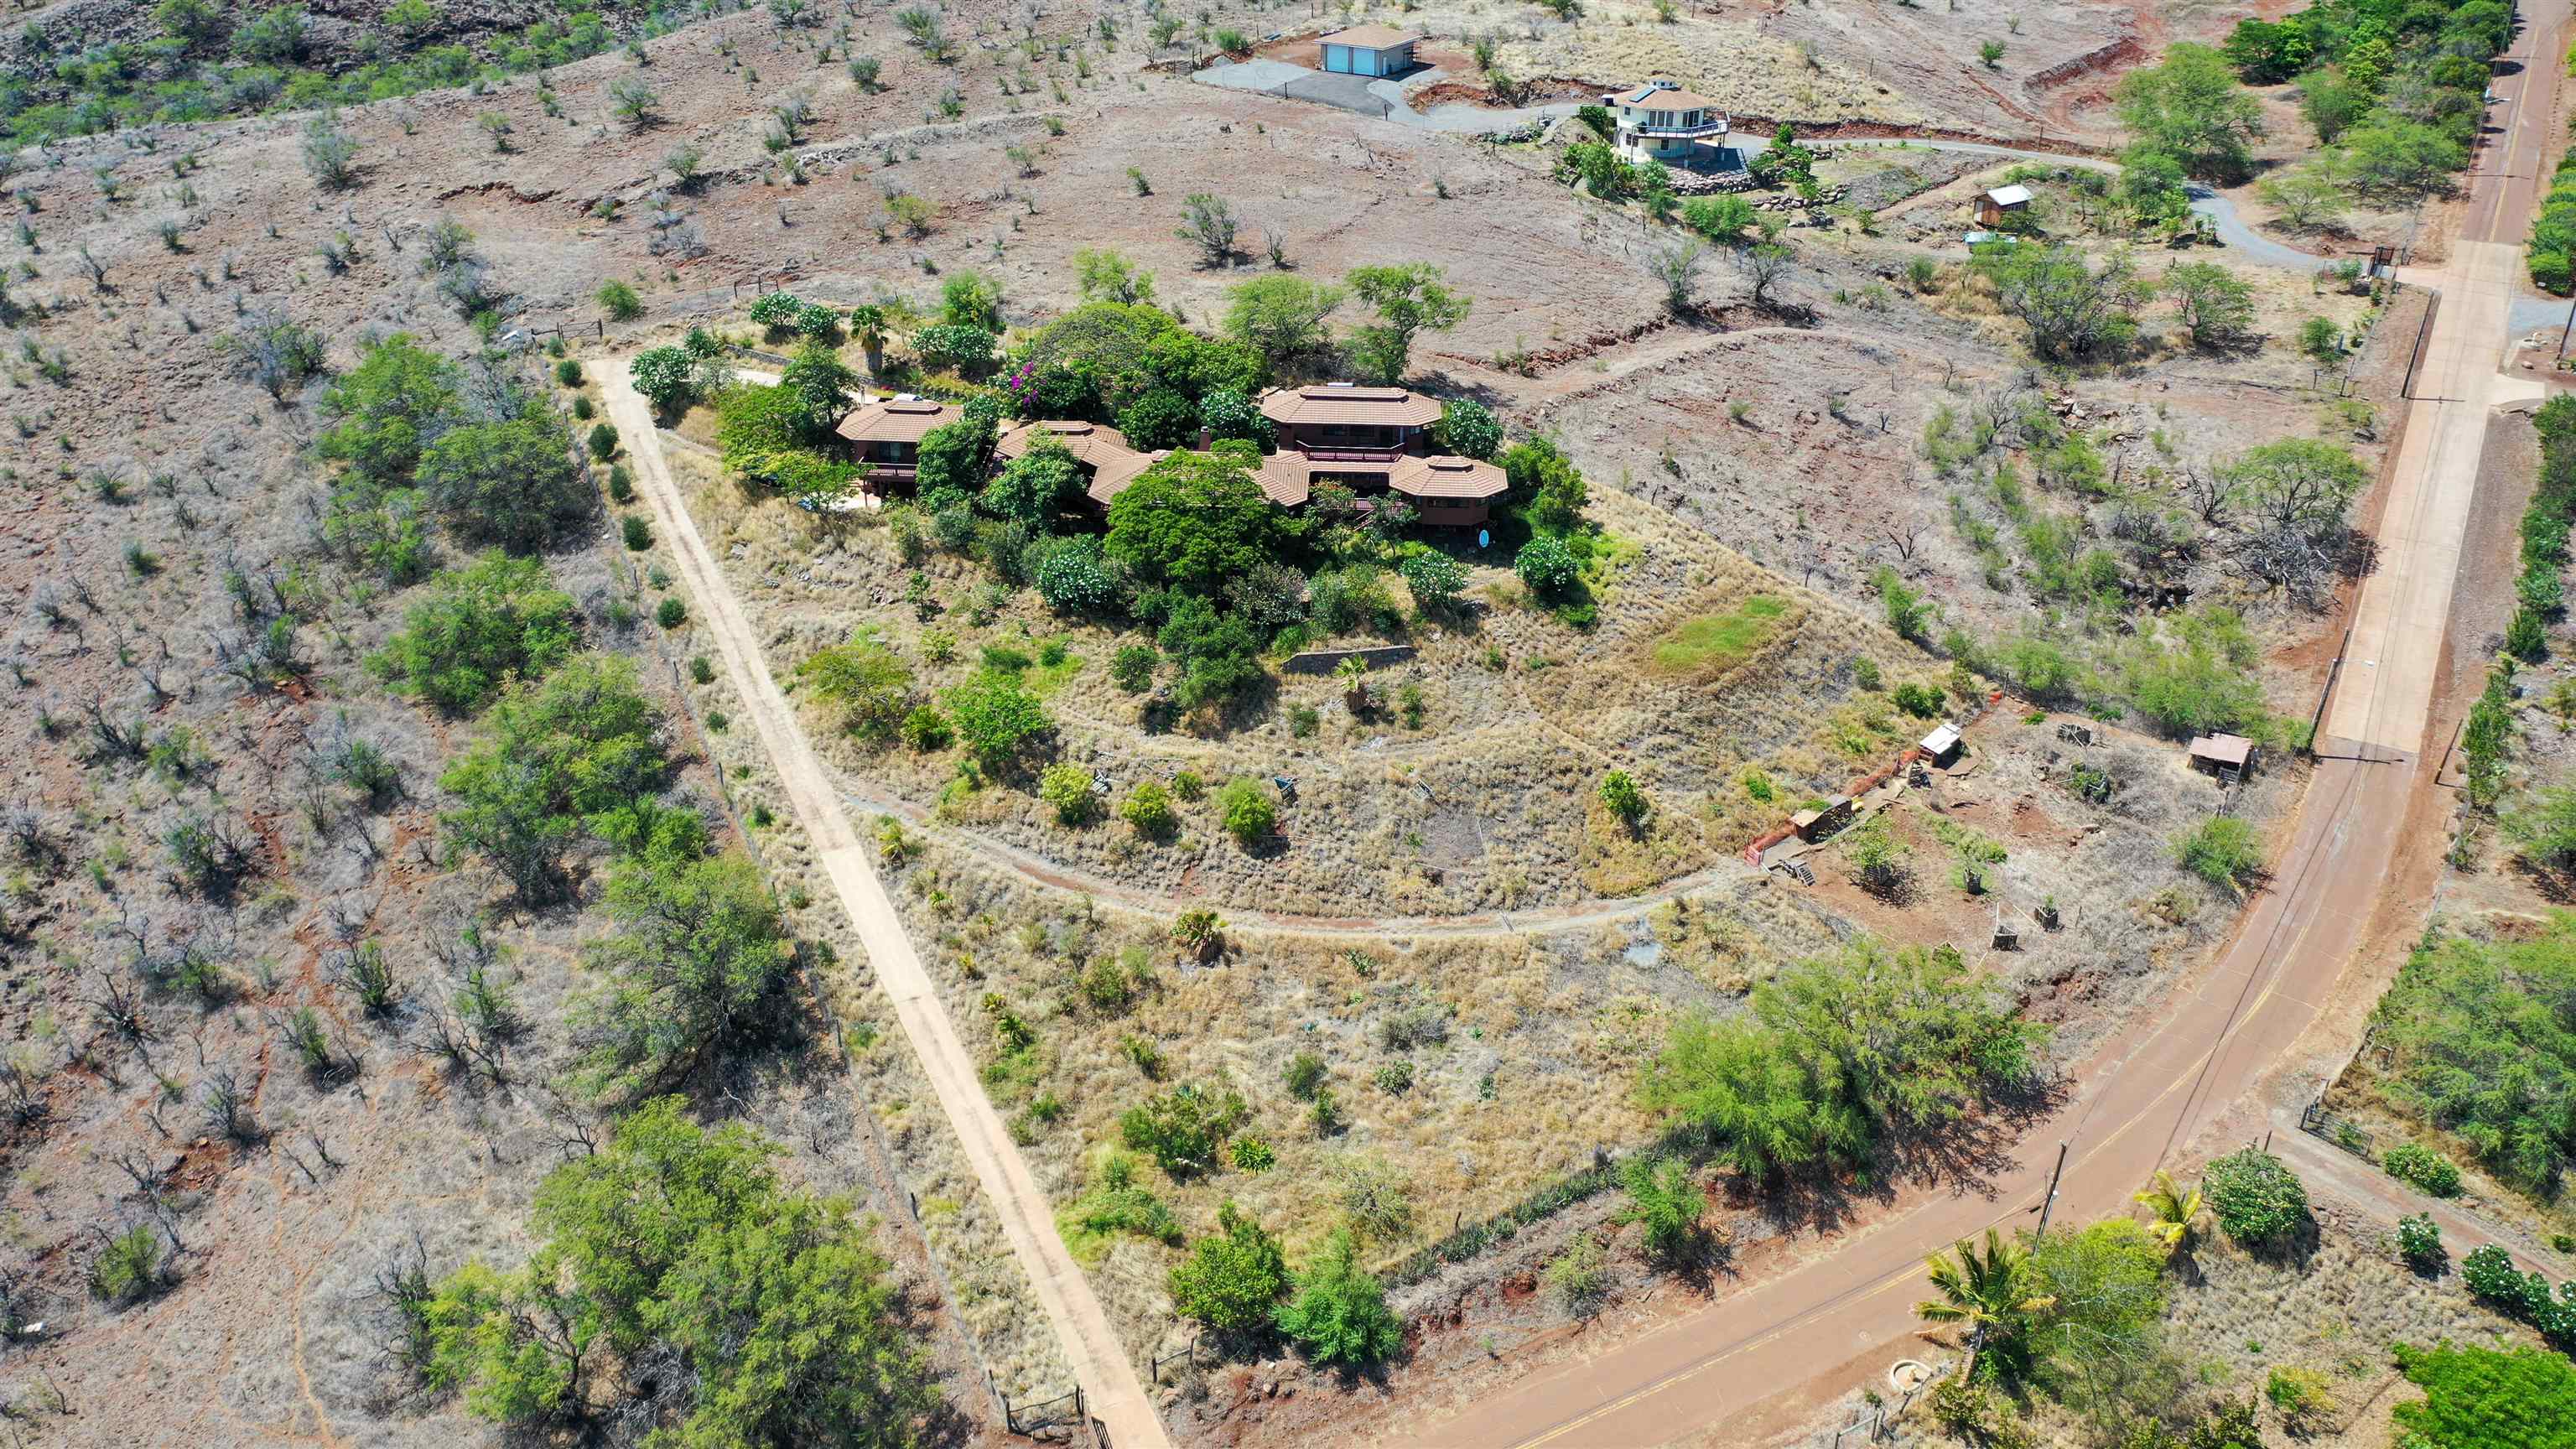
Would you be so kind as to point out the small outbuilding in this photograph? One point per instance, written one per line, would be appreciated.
(1817, 824)
(2222, 754)
(1369, 50)
(2001, 202)
(1941, 746)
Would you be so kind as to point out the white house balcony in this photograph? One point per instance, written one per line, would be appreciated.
(1704, 128)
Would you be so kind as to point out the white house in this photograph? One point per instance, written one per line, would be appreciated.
(1369, 50)
(1659, 121)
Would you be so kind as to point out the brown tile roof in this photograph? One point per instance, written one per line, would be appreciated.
(1371, 37)
(1112, 477)
(1446, 477)
(1341, 402)
(1094, 445)
(895, 420)
(1286, 479)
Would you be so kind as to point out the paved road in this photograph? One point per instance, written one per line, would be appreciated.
(1116, 1395)
(1695, 1373)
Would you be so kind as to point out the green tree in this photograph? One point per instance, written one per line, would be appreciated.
(1541, 477)
(1034, 487)
(619, 301)
(1283, 317)
(495, 620)
(1159, 419)
(1194, 521)
(669, 378)
(1183, 1129)
(2192, 108)
(2256, 1197)
(1231, 1282)
(2071, 309)
(1109, 276)
(1837, 1051)
(512, 483)
(2098, 1344)
(1074, 578)
(693, 974)
(2485, 1398)
(1467, 428)
(1434, 579)
(2174, 1213)
(1338, 1314)
(581, 747)
(971, 299)
(1908, 612)
(865, 680)
(955, 456)
(2213, 304)
(676, 1247)
(2299, 485)
(821, 385)
(1721, 218)
(2545, 827)
(381, 409)
(2396, 159)
(1410, 299)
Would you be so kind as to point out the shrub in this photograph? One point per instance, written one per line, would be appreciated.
(1667, 1203)
(2419, 1242)
(1577, 1281)
(2484, 1398)
(1468, 429)
(1338, 1314)
(603, 441)
(2222, 850)
(1248, 811)
(1182, 1129)
(619, 301)
(2302, 1396)
(1304, 1076)
(1546, 565)
(1620, 793)
(1132, 667)
(2256, 1197)
(1922, 700)
(1148, 808)
(568, 372)
(1231, 1281)
(637, 531)
(1066, 788)
(2422, 1168)
(1435, 579)
(128, 1267)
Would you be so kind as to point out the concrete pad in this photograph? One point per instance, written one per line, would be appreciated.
(2385, 696)
(1251, 75)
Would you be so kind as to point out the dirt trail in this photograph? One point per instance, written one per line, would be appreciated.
(2142, 1102)
(1116, 1395)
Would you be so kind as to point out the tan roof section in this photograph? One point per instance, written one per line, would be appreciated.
(895, 420)
(1657, 99)
(1286, 479)
(1341, 402)
(1094, 445)
(1112, 477)
(1447, 477)
(1371, 37)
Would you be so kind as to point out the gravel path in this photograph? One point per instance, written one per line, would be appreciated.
(1100, 1364)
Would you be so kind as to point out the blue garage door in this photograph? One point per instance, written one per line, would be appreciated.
(1337, 59)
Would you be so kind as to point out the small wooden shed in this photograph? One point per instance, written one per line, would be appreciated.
(1942, 745)
(2001, 202)
(2222, 754)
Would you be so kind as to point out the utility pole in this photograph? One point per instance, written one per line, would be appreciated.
(2049, 1203)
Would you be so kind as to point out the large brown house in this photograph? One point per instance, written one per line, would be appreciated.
(1372, 440)
(886, 435)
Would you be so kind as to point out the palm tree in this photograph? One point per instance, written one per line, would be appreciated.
(1984, 1292)
(869, 321)
(2174, 1215)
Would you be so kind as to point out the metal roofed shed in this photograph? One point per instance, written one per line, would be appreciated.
(2220, 754)
(1942, 745)
(1992, 206)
